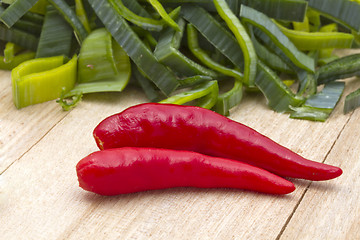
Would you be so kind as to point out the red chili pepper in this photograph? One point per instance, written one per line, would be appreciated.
(127, 170)
(204, 131)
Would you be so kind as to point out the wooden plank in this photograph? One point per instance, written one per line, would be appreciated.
(21, 129)
(331, 210)
(43, 195)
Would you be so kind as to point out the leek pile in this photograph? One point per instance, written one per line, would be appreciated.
(200, 52)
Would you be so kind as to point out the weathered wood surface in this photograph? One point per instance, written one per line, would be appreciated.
(40, 146)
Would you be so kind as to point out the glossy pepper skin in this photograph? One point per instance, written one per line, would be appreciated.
(197, 129)
(127, 170)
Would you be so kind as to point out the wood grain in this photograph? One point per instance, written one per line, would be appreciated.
(332, 210)
(43, 200)
(21, 129)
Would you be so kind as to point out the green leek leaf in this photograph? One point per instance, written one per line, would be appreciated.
(278, 95)
(215, 33)
(15, 11)
(345, 12)
(42, 79)
(352, 101)
(340, 68)
(306, 41)
(206, 93)
(276, 37)
(167, 53)
(163, 78)
(71, 17)
(319, 106)
(243, 39)
(56, 36)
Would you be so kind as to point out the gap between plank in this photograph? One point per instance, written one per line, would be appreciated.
(308, 186)
(42, 137)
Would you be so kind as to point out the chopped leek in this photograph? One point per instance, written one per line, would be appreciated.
(111, 74)
(267, 26)
(345, 12)
(43, 79)
(205, 58)
(206, 93)
(16, 60)
(340, 68)
(167, 53)
(15, 11)
(10, 51)
(243, 39)
(56, 36)
(71, 17)
(215, 33)
(317, 40)
(319, 106)
(352, 101)
(164, 15)
(280, 98)
(183, 51)
(163, 78)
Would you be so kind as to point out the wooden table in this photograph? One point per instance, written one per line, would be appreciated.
(41, 144)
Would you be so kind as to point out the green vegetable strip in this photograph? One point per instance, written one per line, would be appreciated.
(234, 5)
(42, 79)
(243, 39)
(15, 11)
(327, 53)
(226, 100)
(341, 68)
(40, 7)
(10, 51)
(146, 85)
(308, 83)
(71, 17)
(20, 58)
(279, 96)
(163, 78)
(206, 92)
(194, 80)
(164, 15)
(136, 8)
(146, 36)
(81, 13)
(306, 41)
(287, 10)
(34, 18)
(96, 59)
(304, 77)
(302, 26)
(21, 38)
(269, 58)
(144, 22)
(215, 33)
(346, 12)
(56, 36)
(352, 101)
(7, 1)
(115, 83)
(229, 99)
(167, 53)
(204, 58)
(319, 106)
(27, 26)
(266, 25)
(314, 20)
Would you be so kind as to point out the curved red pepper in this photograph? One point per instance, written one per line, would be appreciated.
(204, 131)
(128, 170)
